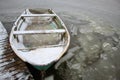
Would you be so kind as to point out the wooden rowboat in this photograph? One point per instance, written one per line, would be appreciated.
(39, 37)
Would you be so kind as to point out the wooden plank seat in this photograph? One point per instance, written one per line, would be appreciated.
(38, 15)
(39, 32)
(45, 46)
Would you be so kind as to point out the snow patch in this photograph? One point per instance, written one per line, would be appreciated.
(42, 56)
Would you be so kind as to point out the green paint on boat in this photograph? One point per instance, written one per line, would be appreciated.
(43, 67)
(53, 25)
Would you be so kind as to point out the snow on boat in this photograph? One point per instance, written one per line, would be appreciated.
(39, 37)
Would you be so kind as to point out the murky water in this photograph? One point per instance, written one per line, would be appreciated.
(35, 40)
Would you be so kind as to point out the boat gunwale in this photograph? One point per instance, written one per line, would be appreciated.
(62, 53)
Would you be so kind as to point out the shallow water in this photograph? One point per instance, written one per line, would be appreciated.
(40, 39)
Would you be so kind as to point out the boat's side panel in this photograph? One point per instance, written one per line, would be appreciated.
(13, 39)
(66, 35)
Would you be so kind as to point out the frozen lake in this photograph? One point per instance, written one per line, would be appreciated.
(105, 10)
(75, 13)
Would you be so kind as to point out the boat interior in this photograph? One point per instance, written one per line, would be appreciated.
(39, 32)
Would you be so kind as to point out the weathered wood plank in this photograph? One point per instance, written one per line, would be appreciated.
(39, 32)
(38, 15)
(11, 67)
(46, 46)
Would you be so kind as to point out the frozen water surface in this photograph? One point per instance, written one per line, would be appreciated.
(97, 54)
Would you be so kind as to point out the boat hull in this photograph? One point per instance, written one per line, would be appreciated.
(39, 37)
(42, 68)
